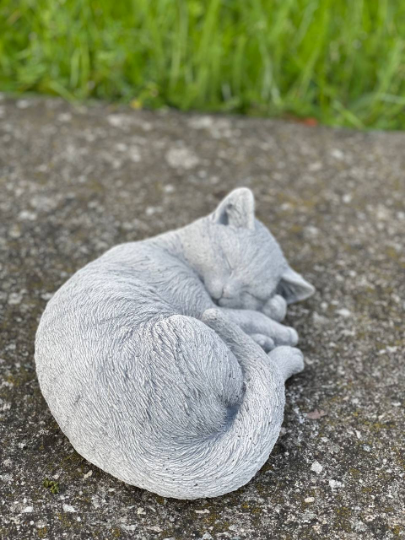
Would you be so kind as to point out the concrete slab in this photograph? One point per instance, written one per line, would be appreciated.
(75, 181)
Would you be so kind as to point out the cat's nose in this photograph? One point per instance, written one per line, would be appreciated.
(227, 292)
(230, 289)
(216, 289)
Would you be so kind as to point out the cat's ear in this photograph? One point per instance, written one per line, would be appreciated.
(293, 287)
(237, 209)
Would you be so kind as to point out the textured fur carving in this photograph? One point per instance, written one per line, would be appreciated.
(164, 361)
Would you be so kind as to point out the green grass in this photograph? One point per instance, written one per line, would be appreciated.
(339, 61)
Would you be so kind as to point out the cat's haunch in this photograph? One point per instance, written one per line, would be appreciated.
(164, 361)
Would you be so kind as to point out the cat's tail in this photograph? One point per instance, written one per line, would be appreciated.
(227, 458)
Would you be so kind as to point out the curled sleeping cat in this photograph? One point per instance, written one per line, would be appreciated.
(164, 361)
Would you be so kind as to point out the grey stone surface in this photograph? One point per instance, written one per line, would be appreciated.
(75, 181)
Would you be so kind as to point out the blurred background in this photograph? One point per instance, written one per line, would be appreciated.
(335, 62)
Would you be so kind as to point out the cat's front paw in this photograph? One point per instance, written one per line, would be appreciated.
(293, 338)
(266, 343)
(275, 308)
(283, 335)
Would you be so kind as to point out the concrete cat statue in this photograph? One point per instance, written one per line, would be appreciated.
(164, 361)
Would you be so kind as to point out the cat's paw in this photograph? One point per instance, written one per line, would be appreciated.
(275, 308)
(266, 343)
(289, 360)
(293, 337)
(286, 336)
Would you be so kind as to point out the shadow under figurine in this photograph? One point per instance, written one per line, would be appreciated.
(164, 361)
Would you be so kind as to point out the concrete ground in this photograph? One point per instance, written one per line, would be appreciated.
(75, 181)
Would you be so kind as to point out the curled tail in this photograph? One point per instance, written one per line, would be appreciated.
(232, 425)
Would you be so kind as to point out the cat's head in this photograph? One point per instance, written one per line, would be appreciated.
(240, 261)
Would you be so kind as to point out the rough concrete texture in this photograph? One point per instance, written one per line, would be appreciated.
(75, 181)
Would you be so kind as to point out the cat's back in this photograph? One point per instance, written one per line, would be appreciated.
(124, 280)
(108, 302)
(104, 298)
(95, 321)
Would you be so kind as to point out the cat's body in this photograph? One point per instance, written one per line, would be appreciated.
(144, 359)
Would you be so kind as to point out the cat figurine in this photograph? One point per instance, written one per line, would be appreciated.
(164, 360)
